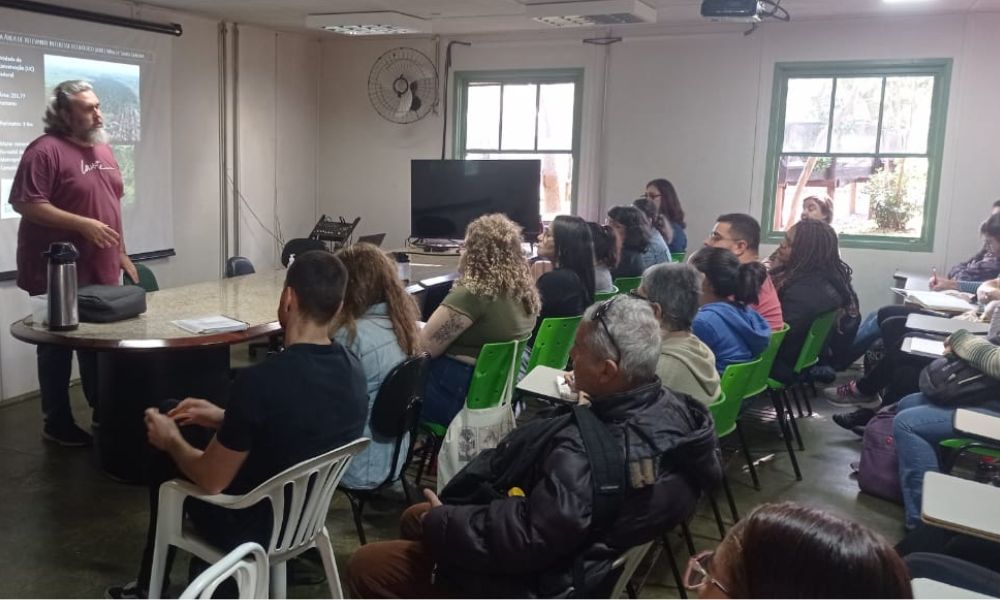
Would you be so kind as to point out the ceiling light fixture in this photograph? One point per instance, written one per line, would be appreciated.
(369, 23)
(591, 13)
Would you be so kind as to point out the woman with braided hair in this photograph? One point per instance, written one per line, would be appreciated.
(811, 279)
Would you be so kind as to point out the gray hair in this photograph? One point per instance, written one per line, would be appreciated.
(636, 332)
(62, 97)
(676, 289)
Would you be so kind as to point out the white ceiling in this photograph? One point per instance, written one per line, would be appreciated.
(482, 16)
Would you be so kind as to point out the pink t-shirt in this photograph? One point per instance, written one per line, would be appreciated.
(80, 180)
(768, 306)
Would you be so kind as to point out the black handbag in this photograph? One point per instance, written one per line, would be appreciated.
(950, 381)
(109, 303)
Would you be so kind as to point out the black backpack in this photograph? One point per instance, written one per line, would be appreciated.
(493, 472)
(950, 381)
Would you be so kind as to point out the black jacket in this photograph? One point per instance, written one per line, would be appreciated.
(802, 300)
(526, 546)
(629, 264)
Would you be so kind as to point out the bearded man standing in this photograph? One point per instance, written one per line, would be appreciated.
(68, 188)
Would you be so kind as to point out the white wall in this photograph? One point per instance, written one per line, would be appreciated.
(690, 106)
(278, 139)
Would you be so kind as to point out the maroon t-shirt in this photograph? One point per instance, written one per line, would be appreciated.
(80, 180)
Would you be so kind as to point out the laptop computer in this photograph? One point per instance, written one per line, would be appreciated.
(375, 239)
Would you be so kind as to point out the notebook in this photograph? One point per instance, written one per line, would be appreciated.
(210, 324)
(923, 347)
(935, 300)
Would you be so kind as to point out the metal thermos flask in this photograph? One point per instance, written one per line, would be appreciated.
(62, 308)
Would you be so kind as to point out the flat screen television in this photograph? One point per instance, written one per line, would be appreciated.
(446, 195)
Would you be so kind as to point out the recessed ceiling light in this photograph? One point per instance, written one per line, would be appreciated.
(902, 1)
(369, 23)
(595, 12)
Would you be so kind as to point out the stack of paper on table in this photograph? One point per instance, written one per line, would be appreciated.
(210, 324)
(935, 300)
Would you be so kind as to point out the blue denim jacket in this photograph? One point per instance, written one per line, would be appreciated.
(379, 351)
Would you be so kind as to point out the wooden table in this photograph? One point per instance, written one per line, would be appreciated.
(961, 505)
(146, 360)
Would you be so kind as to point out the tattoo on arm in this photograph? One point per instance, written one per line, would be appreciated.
(449, 330)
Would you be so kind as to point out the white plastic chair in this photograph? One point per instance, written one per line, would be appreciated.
(310, 486)
(628, 562)
(247, 563)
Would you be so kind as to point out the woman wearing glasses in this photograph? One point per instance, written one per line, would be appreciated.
(668, 205)
(568, 289)
(791, 551)
(735, 332)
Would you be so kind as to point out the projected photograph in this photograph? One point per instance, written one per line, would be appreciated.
(116, 84)
(125, 155)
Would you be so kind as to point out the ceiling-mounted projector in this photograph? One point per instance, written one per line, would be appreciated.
(742, 11)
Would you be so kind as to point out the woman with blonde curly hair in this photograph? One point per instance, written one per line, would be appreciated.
(493, 300)
(378, 322)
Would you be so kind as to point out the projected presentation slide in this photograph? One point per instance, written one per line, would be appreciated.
(31, 66)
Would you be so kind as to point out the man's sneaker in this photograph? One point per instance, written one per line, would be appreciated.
(848, 396)
(854, 421)
(67, 435)
(821, 374)
(129, 590)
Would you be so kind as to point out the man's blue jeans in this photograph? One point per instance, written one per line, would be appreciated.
(918, 428)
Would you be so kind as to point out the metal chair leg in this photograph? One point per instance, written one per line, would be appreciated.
(717, 513)
(793, 390)
(786, 434)
(673, 567)
(730, 499)
(357, 507)
(805, 397)
(791, 417)
(748, 456)
(686, 532)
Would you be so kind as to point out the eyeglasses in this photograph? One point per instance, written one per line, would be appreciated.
(696, 576)
(635, 293)
(599, 316)
(653, 196)
(715, 236)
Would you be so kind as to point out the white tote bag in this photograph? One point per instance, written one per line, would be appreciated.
(476, 429)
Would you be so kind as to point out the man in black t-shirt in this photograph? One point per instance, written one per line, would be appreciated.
(309, 399)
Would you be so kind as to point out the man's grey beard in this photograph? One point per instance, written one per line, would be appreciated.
(96, 136)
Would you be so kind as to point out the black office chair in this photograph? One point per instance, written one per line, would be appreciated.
(435, 290)
(299, 246)
(239, 265)
(395, 413)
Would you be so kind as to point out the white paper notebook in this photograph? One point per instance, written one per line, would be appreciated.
(935, 300)
(210, 324)
(916, 345)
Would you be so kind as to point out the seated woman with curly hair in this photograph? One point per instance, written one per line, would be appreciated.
(494, 299)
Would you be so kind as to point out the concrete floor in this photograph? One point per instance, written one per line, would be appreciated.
(70, 531)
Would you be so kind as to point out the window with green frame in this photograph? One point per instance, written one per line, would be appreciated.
(524, 114)
(867, 135)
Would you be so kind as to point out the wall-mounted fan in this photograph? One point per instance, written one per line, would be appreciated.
(403, 85)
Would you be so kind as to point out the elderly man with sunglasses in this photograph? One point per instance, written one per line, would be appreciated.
(536, 534)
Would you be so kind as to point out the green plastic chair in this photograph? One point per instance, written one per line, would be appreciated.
(147, 280)
(627, 284)
(758, 384)
(726, 411)
(555, 338)
(959, 446)
(602, 296)
(816, 337)
(678, 256)
(489, 378)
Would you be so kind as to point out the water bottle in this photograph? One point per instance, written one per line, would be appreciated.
(402, 266)
(62, 286)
